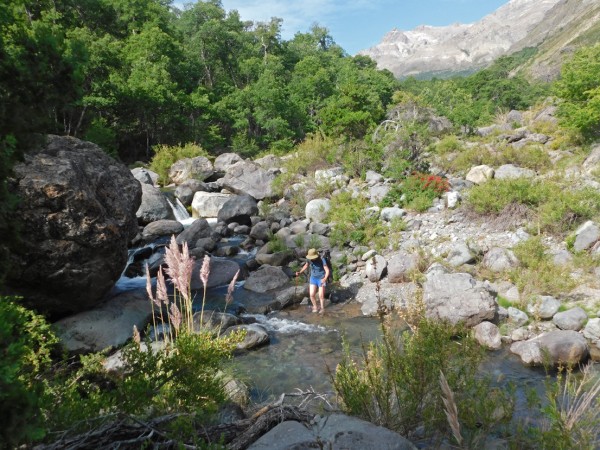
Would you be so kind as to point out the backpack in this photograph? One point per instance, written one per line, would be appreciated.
(325, 254)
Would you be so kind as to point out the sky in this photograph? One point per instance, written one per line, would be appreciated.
(359, 24)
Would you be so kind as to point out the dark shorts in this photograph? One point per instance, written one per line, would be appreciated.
(317, 282)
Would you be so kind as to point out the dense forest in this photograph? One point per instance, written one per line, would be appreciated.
(138, 76)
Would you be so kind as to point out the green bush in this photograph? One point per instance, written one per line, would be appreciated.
(26, 342)
(396, 382)
(417, 191)
(166, 155)
(350, 222)
(537, 273)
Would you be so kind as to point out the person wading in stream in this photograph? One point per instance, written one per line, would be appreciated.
(319, 273)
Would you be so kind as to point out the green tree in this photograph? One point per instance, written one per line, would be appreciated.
(579, 91)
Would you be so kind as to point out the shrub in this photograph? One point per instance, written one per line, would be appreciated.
(396, 382)
(26, 342)
(350, 222)
(537, 273)
(166, 155)
(417, 191)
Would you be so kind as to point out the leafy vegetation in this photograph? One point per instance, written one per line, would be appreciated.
(166, 155)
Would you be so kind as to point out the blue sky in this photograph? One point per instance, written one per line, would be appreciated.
(359, 24)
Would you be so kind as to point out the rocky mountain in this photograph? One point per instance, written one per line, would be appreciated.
(428, 50)
(565, 27)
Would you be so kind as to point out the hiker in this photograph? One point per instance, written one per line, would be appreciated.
(319, 273)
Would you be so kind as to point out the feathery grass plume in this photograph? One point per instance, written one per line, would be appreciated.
(204, 273)
(162, 295)
(136, 337)
(151, 296)
(175, 317)
(180, 266)
(230, 288)
(577, 401)
(450, 407)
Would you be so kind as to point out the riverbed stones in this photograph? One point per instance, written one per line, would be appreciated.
(154, 230)
(488, 335)
(256, 336)
(248, 178)
(586, 236)
(225, 160)
(260, 231)
(401, 266)
(317, 209)
(499, 259)
(573, 319)
(199, 228)
(266, 278)
(238, 209)
(376, 268)
(154, 206)
(198, 168)
(221, 273)
(109, 325)
(457, 297)
(460, 254)
(517, 317)
(543, 307)
(208, 204)
(558, 347)
(480, 174)
(186, 190)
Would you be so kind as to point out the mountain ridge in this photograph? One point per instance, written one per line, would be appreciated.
(467, 47)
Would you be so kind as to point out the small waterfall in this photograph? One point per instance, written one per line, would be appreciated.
(181, 214)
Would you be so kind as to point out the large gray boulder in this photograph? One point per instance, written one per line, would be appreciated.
(457, 297)
(266, 278)
(510, 171)
(248, 178)
(317, 209)
(460, 254)
(186, 190)
(336, 431)
(376, 268)
(224, 161)
(199, 168)
(238, 209)
(488, 335)
(401, 266)
(208, 204)
(154, 206)
(77, 215)
(160, 228)
(145, 176)
(573, 319)
(256, 336)
(544, 307)
(199, 229)
(480, 174)
(221, 273)
(555, 347)
(109, 325)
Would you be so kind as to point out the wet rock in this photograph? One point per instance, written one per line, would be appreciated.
(154, 206)
(221, 273)
(154, 230)
(214, 320)
(279, 259)
(488, 335)
(206, 244)
(256, 336)
(108, 325)
(573, 319)
(199, 229)
(77, 212)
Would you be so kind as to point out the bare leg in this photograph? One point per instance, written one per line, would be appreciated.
(322, 296)
(312, 290)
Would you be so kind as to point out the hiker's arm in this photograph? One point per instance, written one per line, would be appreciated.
(326, 277)
(303, 269)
